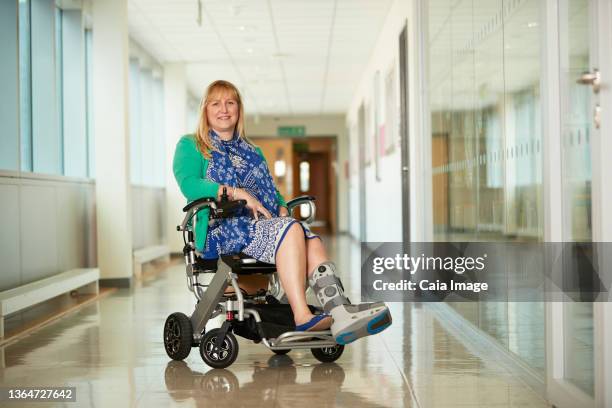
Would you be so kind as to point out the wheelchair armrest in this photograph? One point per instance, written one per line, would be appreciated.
(299, 200)
(198, 202)
(218, 209)
(192, 209)
(305, 199)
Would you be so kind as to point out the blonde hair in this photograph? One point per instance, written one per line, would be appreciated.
(202, 135)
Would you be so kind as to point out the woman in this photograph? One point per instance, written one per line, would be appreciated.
(219, 157)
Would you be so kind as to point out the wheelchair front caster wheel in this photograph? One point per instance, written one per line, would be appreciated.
(178, 336)
(281, 352)
(218, 357)
(328, 354)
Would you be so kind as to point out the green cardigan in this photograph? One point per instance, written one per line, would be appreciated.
(189, 167)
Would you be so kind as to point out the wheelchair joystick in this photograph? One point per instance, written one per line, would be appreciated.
(224, 197)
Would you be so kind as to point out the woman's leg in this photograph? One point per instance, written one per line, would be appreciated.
(350, 322)
(315, 254)
(291, 268)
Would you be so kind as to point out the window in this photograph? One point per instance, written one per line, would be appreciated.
(304, 176)
(52, 89)
(72, 91)
(159, 142)
(46, 145)
(135, 158)
(484, 76)
(25, 88)
(304, 186)
(147, 143)
(147, 129)
(9, 74)
(91, 162)
(59, 86)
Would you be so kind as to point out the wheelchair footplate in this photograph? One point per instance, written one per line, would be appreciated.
(273, 324)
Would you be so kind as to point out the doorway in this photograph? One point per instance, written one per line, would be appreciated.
(579, 371)
(305, 166)
(313, 174)
(405, 144)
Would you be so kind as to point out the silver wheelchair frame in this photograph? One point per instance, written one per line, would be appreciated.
(212, 300)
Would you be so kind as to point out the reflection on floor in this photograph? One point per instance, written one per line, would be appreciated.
(112, 352)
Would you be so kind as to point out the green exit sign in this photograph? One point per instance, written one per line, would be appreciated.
(292, 131)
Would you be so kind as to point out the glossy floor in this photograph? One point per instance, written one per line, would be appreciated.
(112, 352)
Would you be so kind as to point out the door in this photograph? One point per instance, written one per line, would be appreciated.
(577, 349)
(313, 169)
(403, 67)
(362, 178)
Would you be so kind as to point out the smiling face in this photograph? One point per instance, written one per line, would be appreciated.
(223, 112)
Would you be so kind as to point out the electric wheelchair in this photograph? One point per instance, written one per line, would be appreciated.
(261, 318)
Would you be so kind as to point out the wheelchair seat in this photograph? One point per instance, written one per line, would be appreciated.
(243, 264)
(240, 264)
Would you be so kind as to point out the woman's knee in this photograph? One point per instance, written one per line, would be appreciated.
(293, 239)
(296, 231)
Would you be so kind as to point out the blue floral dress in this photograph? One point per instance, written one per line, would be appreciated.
(237, 163)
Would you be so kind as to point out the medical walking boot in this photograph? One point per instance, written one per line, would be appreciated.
(350, 322)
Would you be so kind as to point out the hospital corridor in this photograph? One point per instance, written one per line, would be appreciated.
(305, 203)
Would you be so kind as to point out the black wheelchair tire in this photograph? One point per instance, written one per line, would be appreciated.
(328, 354)
(178, 336)
(281, 352)
(214, 358)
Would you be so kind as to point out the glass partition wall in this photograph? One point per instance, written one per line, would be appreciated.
(484, 82)
(574, 39)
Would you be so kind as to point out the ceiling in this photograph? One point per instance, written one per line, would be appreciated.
(288, 57)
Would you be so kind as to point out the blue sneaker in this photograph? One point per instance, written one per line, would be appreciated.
(317, 323)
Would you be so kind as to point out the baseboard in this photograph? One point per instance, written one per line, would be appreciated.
(116, 282)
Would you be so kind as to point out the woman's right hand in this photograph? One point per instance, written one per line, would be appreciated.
(252, 203)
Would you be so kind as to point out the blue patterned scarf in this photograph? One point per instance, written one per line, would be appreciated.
(237, 163)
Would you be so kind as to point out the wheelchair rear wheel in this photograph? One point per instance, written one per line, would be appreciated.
(328, 354)
(218, 357)
(178, 336)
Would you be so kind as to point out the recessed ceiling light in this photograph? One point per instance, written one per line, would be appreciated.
(249, 50)
(241, 28)
(532, 24)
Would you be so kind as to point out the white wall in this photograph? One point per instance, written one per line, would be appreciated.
(111, 128)
(38, 241)
(316, 125)
(383, 200)
(384, 196)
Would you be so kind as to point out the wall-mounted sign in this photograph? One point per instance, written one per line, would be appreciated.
(292, 131)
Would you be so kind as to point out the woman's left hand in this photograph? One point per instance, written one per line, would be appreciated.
(283, 212)
(252, 204)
